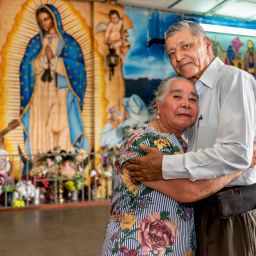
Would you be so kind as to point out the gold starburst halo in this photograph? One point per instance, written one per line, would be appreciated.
(25, 27)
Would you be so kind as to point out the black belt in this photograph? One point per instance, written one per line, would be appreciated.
(232, 201)
(237, 200)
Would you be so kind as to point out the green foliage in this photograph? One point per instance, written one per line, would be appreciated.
(8, 188)
(165, 215)
(146, 191)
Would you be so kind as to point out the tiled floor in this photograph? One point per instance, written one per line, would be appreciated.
(72, 231)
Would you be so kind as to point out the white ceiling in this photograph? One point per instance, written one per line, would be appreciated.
(245, 9)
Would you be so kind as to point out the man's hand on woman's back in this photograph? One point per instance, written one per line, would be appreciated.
(146, 168)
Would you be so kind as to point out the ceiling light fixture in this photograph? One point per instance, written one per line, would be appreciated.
(228, 30)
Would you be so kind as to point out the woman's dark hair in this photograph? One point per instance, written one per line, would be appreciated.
(44, 10)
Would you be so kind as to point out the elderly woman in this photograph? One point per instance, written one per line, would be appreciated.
(144, 221)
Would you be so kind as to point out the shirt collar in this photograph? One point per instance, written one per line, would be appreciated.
(209, 76)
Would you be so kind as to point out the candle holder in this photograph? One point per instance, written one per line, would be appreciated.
(112, 61)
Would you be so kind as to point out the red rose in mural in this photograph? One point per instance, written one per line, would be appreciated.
(155, 234)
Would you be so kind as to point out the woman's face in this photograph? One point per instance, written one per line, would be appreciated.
(45, 22)
(179, 108)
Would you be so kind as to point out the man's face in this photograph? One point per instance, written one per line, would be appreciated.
(189, 55)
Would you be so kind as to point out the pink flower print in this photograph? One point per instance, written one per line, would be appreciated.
(136, 136)
(115, 236)
(127, 252)
(155, 234)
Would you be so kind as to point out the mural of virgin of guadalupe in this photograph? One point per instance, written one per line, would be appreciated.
(53, 84)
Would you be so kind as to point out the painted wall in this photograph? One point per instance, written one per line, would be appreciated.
(116, 98)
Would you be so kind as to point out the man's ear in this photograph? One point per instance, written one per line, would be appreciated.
(208, 43)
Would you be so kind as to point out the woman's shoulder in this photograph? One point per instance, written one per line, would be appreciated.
(33, 48)
(34, 40)
(130, 147)
(154, 138)
(167, 143)
(69, 39)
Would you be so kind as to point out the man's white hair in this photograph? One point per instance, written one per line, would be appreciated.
(192, 26)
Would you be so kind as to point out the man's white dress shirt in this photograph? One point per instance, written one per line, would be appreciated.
(221, 141)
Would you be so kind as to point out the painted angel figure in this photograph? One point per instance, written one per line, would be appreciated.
(115, 35)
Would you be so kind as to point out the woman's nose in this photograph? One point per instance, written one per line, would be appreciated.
(185, 103)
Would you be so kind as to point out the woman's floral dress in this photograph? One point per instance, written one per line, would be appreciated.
(144, 221)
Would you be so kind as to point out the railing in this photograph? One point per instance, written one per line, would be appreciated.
(56, 177)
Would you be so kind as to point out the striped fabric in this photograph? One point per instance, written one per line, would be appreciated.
(144, 221)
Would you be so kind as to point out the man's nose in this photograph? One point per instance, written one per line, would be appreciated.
(178, 55)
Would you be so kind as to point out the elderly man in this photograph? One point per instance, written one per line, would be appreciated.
(220, 142)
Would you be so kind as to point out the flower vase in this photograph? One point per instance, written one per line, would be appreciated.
(75, 195)
(94, 192)
(60, 192)
(8, 198)
(37, 196)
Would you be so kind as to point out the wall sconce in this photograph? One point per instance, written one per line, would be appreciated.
(112, 60)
